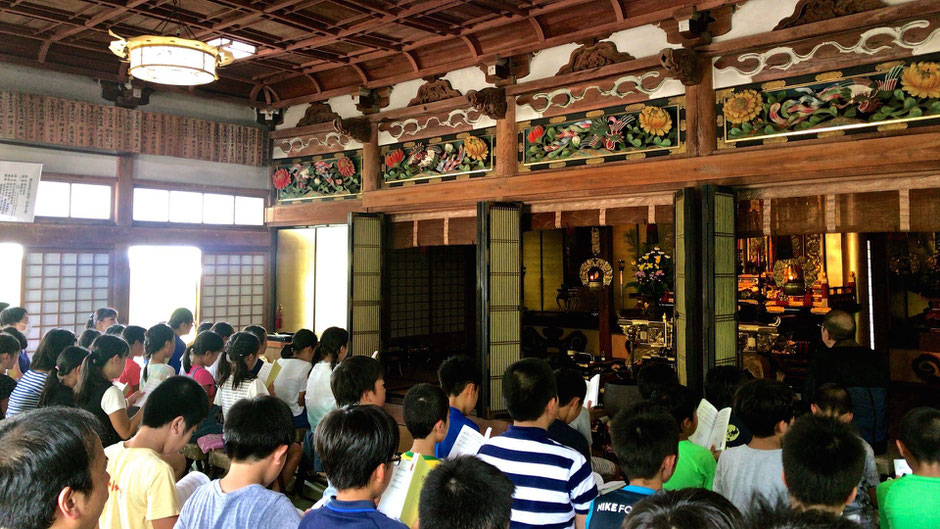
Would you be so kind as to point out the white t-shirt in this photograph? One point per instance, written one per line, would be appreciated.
(156, 373)
(290, 381)
(319, 398)
(113, 400)
(226, 397)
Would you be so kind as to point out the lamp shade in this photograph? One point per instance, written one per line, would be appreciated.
(171, 60)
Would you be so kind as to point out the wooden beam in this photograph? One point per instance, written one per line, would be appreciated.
(371, 161)
(504, 155)
(311, 213)
(701, 118)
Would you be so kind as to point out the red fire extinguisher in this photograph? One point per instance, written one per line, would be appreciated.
(279, 317)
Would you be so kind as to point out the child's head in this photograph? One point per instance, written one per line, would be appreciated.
(460, 379)
(224, 329)
(158, 342)
(135, 336)
(88, 337)
(529, 390)
(102, 318)
(823, 460)
(722, 382)
(203, 351)
(9, 351)
(304, 344)
(68, 367)
(117, 330)
(357, 446)
(358, 380)
(681, 402)
(685, 508)
(466, 493)
(104, 363)
(833, 400)
(919, 438)
(50, 346)
(645, 439)
(655, 375)
(181, 321)
(260, 332)
(204, 326)
(176, 406)
(764, 515)
(241, 354)
(260, 430)
(765, 407)
(15, 317)
(20, 337)
(426, 410)
(332, 346)
(571, 391)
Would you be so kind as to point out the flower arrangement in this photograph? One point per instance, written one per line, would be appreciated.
(309, 179)
(653, 275)
(467, 155)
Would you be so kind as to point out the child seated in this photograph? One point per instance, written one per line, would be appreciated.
(752, 471)
(460, 379)
(645, 440)
(571, 392)
(135, 337)
(466, 493)
(554, 485)
(822, 463)
(258, 434)
(425, 410)
(357, 446)
(721, 383)
(358, 380)
(911, 501)
(655, 375)
(832, 400)
(696, 466)
(142, 485)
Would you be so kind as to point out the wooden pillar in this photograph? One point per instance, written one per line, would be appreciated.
(371, 161)
(701, 124)
(124, 219)
(505, 156)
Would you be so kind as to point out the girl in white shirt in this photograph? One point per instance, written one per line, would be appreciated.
(319, 395)
(290, 385)
(96, 393)
(235, 379)
(159, 343)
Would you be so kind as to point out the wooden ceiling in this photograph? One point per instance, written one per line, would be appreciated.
(315, 49)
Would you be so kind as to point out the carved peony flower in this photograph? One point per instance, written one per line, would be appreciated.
(922, 79)
(655, 121)
(394, 158)
(322, 168)
(476, 148)
(346, 167)
(535, 133)
(281, 179)
(743, 106)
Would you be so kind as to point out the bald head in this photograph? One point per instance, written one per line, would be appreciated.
(840, 324)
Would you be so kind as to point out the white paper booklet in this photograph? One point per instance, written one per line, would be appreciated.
(400, 499)
(712, 428)
(469, 441)
(593, 394)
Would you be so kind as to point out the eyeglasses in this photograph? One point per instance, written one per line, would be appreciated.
(395, 459)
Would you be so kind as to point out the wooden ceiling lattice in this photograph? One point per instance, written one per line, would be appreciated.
(314, 49)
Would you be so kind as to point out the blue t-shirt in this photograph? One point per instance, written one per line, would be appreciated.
(455, 423)
(22, 362)
(246, 508)
(176, 360)
(349, 515)
(610, 509)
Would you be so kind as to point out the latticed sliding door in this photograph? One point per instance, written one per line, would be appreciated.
(499, 290)
(366, 240)
(720, 279)
(686, 283)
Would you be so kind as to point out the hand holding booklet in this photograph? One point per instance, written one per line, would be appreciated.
(400, 500)
(469, 441)
(593, 394)
(712, 428)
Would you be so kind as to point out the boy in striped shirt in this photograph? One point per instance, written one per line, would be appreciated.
(554, 485)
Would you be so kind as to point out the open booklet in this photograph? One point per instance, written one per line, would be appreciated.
(593, 394)
(469, 441)
(712, 428)
(400, 500)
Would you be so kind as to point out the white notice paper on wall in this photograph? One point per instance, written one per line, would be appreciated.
(19, 183)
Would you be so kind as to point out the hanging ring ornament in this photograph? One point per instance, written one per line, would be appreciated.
(170, 60)
(602, 265)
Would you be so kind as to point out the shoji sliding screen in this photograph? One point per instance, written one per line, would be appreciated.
(366, 243)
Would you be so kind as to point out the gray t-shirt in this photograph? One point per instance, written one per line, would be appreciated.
(250, 507)
(744, 472)
(862, 509)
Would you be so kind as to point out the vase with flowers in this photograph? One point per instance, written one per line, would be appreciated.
(653, 279)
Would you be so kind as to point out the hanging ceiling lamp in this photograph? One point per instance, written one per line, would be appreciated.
(178, 59)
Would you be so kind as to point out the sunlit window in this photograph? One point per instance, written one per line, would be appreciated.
(185, 207)
(151, 205)
(249, 211)
(190, 207)
(79, 201)
(163, 278)
(219, 209)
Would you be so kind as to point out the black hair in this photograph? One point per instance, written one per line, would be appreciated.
(117, 330)
(423, 407)
(105, 347)
(655, 375)
(353, 377)
(466, 493)
(840, 324)
(528, 387)
(764, 515)
(456, 373)
(689, 508)
(823, 460)
(722, 382)
(133, 334)
(642, 436)
(223, 329)
(88, 337)
(260, 332)
(920, 433)
(331, 341)
(155, 339)
(177, 396)
(9, 345)
(49, 348)
(303, 339)
(205, 342)
(3, 305)
(20, 337)
(255, 428)
(11, 315)
(239, 347)
(761, 404)
(352, 441)
(70, 358)
(833, 398)
(100, 314)
(570, 385)
(179, 317)
(35, 466)
(680, 401)
(204, 326)
(287, 351)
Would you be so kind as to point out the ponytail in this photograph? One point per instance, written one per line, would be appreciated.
(206, 342)
(154, 340)
(105, 347)
(331, 341)
(240, 346)
(69, 359)
(301, 340)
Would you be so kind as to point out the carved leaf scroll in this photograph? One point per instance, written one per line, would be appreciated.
(489, 101)
(590, 56)
(317, 112)
(434, 89)
(682, 64)
(809, 11)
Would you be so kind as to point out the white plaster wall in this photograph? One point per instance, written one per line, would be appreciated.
(59, 161)
(167, 169)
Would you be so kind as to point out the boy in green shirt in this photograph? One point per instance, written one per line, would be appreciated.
(426, 409)
(696, 464)
(911, 502)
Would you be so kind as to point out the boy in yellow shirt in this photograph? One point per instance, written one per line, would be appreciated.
(425, 409)
(142, 485)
